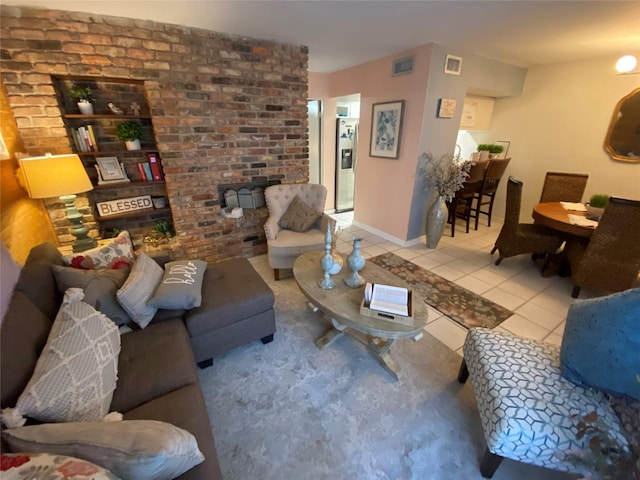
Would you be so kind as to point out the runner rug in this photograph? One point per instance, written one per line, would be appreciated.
(459, 304)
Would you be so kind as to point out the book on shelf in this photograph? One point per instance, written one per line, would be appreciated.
(154, 163)
(84, 139)
(143, 175)
(147, 172)
(387, 298)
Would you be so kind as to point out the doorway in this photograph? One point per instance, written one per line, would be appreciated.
(314, 114)
(346, 155)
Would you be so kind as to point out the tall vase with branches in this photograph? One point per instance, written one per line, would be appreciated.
(444, 176)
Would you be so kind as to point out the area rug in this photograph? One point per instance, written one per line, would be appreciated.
(459, 304)
(289, 411)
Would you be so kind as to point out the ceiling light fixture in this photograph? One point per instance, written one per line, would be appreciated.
(626, 64)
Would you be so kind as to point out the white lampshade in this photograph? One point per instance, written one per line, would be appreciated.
(54, 176)
(626, 64)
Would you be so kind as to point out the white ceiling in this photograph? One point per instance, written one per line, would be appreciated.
(340, 34)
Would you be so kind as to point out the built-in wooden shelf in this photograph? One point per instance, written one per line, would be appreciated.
(110, 116)
(134, 213)
(132, 183)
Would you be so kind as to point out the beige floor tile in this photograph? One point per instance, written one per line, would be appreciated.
(448, 332)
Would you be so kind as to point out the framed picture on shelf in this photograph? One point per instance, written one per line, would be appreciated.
(110, 170)
(386, 127)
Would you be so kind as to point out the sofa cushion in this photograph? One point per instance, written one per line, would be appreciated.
(232, 291)
(185, 408)
(99, 287)
(24, 334)
(160, 349)
(115, 254)
(600, 344)
(36, 279)
(299, 216)
(181, 285)
(138, 289)
(20, 466)
(132, 449)
(76, 373)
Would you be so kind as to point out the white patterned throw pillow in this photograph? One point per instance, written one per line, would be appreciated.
(76, 373)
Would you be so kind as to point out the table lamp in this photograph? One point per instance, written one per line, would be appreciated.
(60, 176)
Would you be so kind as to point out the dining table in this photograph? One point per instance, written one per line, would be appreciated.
(554, 215)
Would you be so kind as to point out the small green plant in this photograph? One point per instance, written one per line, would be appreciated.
(80, 94)
(599, 200)
(163, 227)
(111, 232)
(491, 148)
(129, 131)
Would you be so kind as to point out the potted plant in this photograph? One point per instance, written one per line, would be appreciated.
(82, 95)
(596, 206)
(492, 148)
(130, 133)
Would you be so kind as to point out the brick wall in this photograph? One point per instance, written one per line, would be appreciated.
(25, 222)
(225, 109)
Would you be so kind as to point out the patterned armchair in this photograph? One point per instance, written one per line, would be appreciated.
(527, 408)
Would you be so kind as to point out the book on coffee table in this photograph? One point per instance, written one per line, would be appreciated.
(387, 302)
(389, 299)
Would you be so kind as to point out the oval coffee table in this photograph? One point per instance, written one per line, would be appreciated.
(342, 305)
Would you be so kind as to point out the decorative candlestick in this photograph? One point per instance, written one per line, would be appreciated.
(356, 262)
(326, 262)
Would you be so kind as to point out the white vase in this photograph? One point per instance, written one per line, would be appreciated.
(436, 221)
(133, 144)
(86, 108)
(338, 261)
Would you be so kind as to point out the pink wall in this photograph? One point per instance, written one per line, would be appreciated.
(383, 186)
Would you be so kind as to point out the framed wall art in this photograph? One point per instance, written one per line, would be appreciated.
(453, 65)
(386, 128)
(447, 108)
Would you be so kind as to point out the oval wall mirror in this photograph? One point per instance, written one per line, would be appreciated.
(623, 137)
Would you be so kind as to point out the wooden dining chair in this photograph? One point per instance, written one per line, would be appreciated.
(461, 206)
(516, 238)
(563, 187)
(610, 259)
(487, 193)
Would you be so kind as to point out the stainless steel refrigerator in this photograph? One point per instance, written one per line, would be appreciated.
(346, 159)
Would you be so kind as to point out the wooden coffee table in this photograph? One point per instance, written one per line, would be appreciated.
(342, 305)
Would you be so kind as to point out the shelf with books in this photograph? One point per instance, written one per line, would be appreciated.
(132, 183)
(113, 169)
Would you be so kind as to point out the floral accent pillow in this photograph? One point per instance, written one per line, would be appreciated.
(115, 254)
(18, 466)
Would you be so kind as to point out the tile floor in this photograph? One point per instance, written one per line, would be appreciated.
(539, 304)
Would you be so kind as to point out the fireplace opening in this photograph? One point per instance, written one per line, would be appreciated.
(244, 195)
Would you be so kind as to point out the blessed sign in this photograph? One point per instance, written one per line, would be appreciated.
(114, 207)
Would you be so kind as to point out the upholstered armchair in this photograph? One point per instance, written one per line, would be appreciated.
(285, 245)
(531, 395)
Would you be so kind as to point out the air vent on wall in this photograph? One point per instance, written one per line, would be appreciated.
(402, 66)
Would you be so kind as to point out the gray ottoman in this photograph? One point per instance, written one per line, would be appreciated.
(237, 308)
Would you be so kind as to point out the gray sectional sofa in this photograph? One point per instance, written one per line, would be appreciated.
(157, 374)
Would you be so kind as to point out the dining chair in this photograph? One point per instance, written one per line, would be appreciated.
(516, 238)
(487, 192)
(563, 187)
(610, 259)
(284, 243)
(461, 206)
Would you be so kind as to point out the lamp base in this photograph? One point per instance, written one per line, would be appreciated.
(83, 241)
(80, 245)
